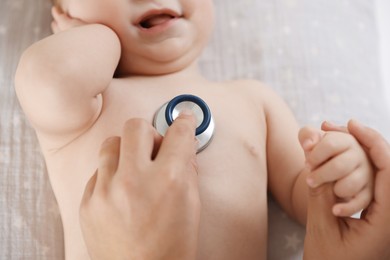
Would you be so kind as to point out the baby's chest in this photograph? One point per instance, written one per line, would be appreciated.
(233, 167)
(234, 162)
(236, 155)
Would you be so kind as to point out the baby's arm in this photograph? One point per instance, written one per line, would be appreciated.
(336, 156)
(285, 157)
(287, 173)
(60, 78)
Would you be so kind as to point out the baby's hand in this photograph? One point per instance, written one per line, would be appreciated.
(62, 21)
(337, 156)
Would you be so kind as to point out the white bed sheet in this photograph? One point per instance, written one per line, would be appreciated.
(383, 20)
(320, 55)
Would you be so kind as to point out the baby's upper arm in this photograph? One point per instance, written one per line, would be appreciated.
(60, 79)
(285, 157)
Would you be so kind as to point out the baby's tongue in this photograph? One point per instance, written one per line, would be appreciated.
(157, 20)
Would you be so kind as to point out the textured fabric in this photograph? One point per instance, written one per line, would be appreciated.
(30, 224)
(320, 55)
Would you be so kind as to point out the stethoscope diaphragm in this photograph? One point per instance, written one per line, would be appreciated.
(171, 110)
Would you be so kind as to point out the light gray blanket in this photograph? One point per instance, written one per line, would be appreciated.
(320, 55)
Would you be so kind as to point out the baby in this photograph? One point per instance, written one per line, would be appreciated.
(112, 60)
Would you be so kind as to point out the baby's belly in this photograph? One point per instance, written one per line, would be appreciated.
(234, 212)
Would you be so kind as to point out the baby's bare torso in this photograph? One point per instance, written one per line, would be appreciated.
(232, 169)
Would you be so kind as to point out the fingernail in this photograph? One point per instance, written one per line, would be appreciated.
(310, 182)
(357, 123)
(186, 112)
(336, 211)
(329, 123)
(307, 144)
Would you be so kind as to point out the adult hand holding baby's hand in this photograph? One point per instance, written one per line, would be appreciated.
(62, 21)
(330, 237)
(143, 202)
(336, 156)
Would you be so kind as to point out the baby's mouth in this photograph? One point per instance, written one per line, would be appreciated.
(155, 20)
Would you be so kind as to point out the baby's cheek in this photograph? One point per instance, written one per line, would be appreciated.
(96, 11)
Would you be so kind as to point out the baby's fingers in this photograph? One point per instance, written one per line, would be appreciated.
(352, 184)
(54, 27)
(63, 21)
(328, 126)
(334, 169)
(309, 137)
(59, 17)
(354, 205)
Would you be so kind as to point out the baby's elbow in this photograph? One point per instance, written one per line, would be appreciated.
(34, 80)
(29, 66)
(35, 70)
(25, 70)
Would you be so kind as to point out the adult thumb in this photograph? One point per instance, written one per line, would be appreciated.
(321, 222)
(322, 229)
(377, 147)
(378, 150)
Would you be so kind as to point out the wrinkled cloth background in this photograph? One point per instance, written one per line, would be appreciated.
(321, 56)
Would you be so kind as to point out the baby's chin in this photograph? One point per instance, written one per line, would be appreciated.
(168, 57)
(154, 67)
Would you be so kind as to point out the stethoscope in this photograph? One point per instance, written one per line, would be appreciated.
(168, 112)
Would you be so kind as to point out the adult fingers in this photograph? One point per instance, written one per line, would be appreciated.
(107, 166)
(108, 160)
(84, 209)
(379, 151)
(321, 223)
(157, 144)
(328, 126)
(89, 189)
(378, 148)
(179, 144)
(137, 144)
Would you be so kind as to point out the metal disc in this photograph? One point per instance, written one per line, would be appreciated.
(161, 124)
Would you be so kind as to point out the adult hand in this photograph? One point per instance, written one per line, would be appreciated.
(329, 237)
(143, 201)
(337, 157)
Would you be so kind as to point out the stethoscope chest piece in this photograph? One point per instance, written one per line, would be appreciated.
(171, 110)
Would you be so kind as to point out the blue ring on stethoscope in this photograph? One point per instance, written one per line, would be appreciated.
(182, 98)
